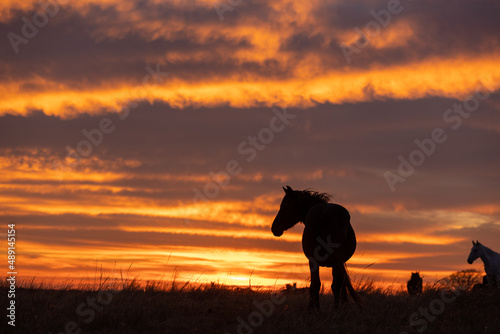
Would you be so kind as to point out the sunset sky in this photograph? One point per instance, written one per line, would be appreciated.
(158, 135)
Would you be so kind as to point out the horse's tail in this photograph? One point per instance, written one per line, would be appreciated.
(352, 293)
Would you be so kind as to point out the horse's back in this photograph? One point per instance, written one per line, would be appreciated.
(494, 265)
(327, 228)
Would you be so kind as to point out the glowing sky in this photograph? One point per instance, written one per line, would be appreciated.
(119, 120)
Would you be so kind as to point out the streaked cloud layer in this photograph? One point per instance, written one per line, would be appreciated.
(116, 115)
(91, 56)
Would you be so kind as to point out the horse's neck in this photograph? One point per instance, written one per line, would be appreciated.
(308, 204)
(488, 256)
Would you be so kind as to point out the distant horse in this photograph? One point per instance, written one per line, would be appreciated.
(328, 239)
(491, 260)
(414, 285)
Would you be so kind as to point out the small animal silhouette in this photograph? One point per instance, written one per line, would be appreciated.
(414, 285)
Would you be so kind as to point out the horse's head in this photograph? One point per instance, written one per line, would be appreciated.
(288, 214)
(475, 252)
(415, 276)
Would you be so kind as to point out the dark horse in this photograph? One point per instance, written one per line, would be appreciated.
(414, 285)
(328, 239)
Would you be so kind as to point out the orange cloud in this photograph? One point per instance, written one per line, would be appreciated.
(412, 238)
(438, 77)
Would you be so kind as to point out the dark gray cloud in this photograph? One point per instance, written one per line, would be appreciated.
(329, 138)
(82, 48)
(101, 44)
(466, 29)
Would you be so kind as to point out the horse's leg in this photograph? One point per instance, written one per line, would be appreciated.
(338, 284)
(315, 285)
(493, 281)
(335, 288)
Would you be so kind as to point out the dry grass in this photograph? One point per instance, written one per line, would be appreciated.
(158, 307)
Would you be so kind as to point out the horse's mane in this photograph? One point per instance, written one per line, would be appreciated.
(321, 197)
(487, 248)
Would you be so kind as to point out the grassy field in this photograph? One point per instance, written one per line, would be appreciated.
(219, 309)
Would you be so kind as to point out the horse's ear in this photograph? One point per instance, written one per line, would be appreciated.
(288, 189)
(473, 242)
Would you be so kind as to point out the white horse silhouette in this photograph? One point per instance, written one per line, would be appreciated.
(491, 260)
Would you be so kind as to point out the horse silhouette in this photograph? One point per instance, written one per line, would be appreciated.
(491, 260)
(414, 285)
(328, 239)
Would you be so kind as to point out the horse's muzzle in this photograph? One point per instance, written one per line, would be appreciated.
(276, 233)
(469, 261)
